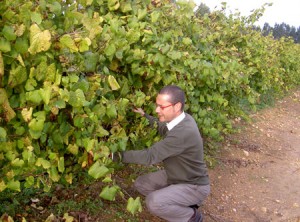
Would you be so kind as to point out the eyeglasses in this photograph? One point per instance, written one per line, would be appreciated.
(163, 107)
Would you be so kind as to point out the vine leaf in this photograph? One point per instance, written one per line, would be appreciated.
(36, 17)
(5, 45)
(3, 134)
(68, 42)
(39, 40)
(14, 185)
(2, 186)
(114, 85)
(97, 170)
(109, 193)
(113, 5)
(134, 205)
(1, 67)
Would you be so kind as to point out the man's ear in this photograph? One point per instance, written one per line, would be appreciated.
(178, 106)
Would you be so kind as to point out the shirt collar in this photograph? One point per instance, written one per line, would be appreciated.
(175, 121)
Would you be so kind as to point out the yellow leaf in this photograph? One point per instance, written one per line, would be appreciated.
(2, 186)
(27, 114)
(20, 30)
(39, 40)
(20, 59)
(114, 85)
(1, 66)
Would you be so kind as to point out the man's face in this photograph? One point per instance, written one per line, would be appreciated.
(165, 110)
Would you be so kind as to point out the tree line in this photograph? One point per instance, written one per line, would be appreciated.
(281, 30)
(278, 31)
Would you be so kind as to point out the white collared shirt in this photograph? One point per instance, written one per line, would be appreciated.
(175, 121)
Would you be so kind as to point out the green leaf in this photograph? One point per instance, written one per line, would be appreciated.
(134, 205)
(186, 41)
(17, 76)
(14, 185)
(154, 16)
(114, 85)
(29, 182)
(59, 104)
(4, 45)
(68, 42)
(122, 144)
(82, 84)
(133, 36)
(3, 134)
(36, 17)
(113, 5)
(34, 96)
(51, 73)
(36, 124)
(125, 6)
(110, 50)
(39, 40)
(55, 7)
(174, 55)
(17, 162)
(28, 156)
(97, 170)
(77, 99)
(109, 193)
(20, 130)
(2, 185)
(89, 144)
(10, 155)
(101, 132)
(111, 111)
(30, 84)
(93, 26)
(73, 148)
(61, 165)
(45, 94)
(251, 99)
(1, 66)
(35, 134)
(9, 33)
(142, 13)
(53, 173)
(84, 44)
(73, 78)
(44, 163)
(68, 218)
(90, 61)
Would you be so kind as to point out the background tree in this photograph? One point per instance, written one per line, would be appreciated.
(202, 10)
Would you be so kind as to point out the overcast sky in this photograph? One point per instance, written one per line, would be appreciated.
(287, 11)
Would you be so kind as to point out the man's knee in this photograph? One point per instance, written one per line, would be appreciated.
(154, 204)
(139, 185)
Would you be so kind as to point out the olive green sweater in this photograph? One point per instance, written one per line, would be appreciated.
(180, 150)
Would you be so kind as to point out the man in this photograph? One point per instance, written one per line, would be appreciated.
(175, 192)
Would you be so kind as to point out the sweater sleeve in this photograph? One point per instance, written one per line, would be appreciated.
(154, 122)
(171, 145)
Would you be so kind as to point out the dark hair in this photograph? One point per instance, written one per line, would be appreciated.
(176, 94)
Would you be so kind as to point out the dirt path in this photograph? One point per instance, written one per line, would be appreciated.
(258, 178)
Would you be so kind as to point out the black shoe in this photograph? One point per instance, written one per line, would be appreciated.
(197, 217)
(195, 206)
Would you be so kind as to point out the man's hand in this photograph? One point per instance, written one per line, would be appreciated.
(116, 157)
(139, 110)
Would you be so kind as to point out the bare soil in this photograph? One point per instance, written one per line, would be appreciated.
(258, 176)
